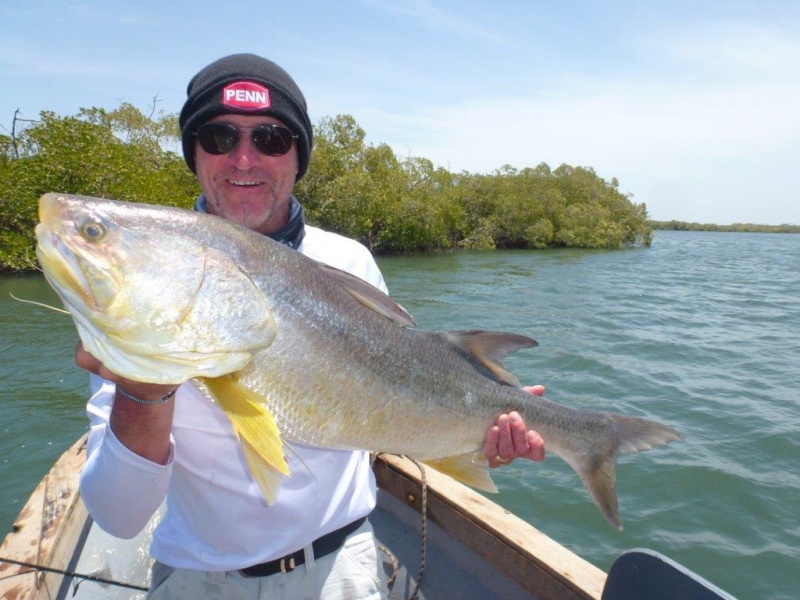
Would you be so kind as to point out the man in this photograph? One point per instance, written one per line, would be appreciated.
(247, 136)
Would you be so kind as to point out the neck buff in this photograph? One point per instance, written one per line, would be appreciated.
(291, 234)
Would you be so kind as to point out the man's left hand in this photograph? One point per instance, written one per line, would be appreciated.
(508, 438)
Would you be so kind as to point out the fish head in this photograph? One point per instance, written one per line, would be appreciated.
(153, 292)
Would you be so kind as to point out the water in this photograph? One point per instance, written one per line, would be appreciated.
(700, 331)
(42, 393)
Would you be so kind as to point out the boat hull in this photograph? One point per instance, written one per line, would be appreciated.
(474, 548)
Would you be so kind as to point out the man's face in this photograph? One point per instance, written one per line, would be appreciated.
(244, 185)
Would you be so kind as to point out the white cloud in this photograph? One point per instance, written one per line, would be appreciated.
(693, 111)
(688, 147)
(430, 16)
(735, 49)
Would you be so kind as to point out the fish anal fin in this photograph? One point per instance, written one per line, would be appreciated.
(489, 348)
(256, 428)
(471, 469)
(370, 296)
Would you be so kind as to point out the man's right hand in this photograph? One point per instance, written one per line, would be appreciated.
(145, 391)
(143, 428)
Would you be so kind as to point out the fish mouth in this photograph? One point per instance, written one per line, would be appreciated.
(83, 280)
(62, 270)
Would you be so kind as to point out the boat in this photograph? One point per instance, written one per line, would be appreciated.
(440, 540)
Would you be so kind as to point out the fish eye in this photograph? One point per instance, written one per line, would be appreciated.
(93, 231)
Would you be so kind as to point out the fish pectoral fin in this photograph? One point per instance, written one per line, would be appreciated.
(370, 296)
(471, 469)
(489, 348)
(257, 430)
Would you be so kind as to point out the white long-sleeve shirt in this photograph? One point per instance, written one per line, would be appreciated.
(216, 517)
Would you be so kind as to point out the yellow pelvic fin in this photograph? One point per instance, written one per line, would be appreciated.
(471, 468)
(267, 477)
(256, 428)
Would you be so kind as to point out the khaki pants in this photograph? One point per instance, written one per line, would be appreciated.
(355, 572)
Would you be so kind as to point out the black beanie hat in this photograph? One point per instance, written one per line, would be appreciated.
(235, 84)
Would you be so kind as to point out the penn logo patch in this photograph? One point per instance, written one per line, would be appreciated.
(246, 95)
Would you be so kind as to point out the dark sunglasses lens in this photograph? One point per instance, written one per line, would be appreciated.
(217, 138)
(273, 140)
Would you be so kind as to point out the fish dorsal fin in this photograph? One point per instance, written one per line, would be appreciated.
(256, 428)
(489, 348)
(370, 296)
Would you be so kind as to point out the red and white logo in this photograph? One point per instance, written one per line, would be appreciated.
(246, 95)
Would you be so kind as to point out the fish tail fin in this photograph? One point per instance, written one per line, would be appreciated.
(600, 479)
(257, 430)
(471, 469)
(597, 469)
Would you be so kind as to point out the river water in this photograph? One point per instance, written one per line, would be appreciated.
(701, 331)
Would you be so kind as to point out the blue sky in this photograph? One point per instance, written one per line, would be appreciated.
(693, 106)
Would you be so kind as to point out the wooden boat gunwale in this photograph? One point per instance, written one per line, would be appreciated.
(52, 527)
(541, 566)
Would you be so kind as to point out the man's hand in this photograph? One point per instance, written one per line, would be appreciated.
(508, 438)
(143, 429)
(145, 391)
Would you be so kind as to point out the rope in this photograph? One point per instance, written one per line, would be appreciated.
(79, 577)
(424, 529)
(395, 565)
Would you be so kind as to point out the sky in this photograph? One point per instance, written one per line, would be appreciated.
(694, 107)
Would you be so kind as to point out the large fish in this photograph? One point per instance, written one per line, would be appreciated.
(296, 351)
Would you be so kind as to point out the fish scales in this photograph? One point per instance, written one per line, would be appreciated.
(297, 352)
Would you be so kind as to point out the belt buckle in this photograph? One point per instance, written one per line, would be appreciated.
(290, 564)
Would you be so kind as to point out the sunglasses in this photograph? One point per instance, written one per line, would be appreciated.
(221, 138)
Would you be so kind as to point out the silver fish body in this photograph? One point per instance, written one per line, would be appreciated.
(165, 295)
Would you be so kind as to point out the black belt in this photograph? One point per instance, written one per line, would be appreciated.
(330, 542)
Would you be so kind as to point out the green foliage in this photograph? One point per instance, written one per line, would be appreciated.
(740, 227)
(361, 190)
(392, 205)
(541, 208)
(117, 154)
(365, 192)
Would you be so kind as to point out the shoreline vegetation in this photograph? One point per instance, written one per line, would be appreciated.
(391, 204)
(364, 191)
(735, 227)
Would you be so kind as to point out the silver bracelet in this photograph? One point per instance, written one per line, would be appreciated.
(133, 398)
